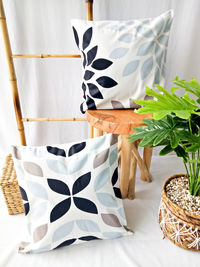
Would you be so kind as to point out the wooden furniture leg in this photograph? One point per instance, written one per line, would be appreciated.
(119, 150)
(147, 155)
(127, 163)
(145, 176)
(132, 177)
(97, 132)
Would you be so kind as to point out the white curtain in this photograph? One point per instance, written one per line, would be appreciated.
(51, 87)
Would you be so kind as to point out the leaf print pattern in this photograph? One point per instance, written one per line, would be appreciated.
(87, 38)
(116, 104)
(76, 148)
(111, 219)
(146, 68)
(106, 82)
(91, 54)
(88, 75)
(101, 64)
(63, 207)
(75, 36)
(56, 151)
(94, 91)
(114, 181)
(33, 168)
(90, 103)
(130, 68)
(40, 232)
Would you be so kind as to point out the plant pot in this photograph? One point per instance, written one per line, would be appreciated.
(178, 225)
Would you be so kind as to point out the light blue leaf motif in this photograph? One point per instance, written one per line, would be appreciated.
(107, 200)
(121, 212)
(159, 54)
(88, 226)
(127, 38)
(164, 70)
(63, 231)
(146, 68)
(145, 31)
(118, 52)
(130, 67)
(159, 25)
(163, 39)
(111, 235)
(101, 179)
(39, 210)
(157, 76)
(145, 49)
(113, 156)
(37, 189)
(96, 142)
(78, 164)
(168, 25)
(57, 166)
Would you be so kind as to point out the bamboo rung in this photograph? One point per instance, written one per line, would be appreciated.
(52, 119)
(47, 56)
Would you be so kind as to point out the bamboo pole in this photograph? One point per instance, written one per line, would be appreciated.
(91, 131)
(89, 4)
(12, 75)
(47, 56)
(52, 119)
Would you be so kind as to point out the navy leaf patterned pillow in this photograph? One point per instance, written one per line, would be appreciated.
(70, 192)
(120, 58)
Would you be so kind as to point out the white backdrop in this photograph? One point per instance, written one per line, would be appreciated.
(51, 87)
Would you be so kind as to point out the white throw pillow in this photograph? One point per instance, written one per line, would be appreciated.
(120, 58)
(71, 193)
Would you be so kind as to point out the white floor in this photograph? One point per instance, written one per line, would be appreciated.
(145, 248)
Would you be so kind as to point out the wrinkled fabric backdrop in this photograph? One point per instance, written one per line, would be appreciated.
(51, 87)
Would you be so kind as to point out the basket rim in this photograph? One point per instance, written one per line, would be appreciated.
(164, 195)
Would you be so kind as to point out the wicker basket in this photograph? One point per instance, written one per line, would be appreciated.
(178, 225)
(10, 188)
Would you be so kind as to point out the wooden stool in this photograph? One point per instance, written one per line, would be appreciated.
(122, 122)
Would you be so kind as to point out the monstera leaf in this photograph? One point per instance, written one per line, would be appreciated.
(167, 103)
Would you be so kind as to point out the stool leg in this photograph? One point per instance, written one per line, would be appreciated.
(126, 154)
(145, 176)
(132, 177)
(119, 151)
(147, 155)
(91, 131)
(97, 132)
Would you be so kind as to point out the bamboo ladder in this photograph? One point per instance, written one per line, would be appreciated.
(13, 80)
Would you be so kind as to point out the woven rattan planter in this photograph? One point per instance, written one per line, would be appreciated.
(10, 188)
(178, 225)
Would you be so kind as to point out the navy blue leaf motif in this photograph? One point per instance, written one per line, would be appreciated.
(81, 183)
(67, 243)
(23, 193)
(76, 148)
(81, 108)
(117, 192)
(106, 82)
(90, 103)
(89, 238)
(85, 205)
(26, 208)
(115, 176)
(101, 64)
(58, 187)
(84, 90)
(94, 91)
(84, 59)
(76, 36)
(88, 75)
(91, 54)
(56, 151)
(60, 209)
(87, 38)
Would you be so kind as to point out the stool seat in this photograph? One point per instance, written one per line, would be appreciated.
(123, 122)
(116, 121)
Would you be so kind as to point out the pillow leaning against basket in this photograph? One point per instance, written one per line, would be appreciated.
(120, 58)
(71, 193)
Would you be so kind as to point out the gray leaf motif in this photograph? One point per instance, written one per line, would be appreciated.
(133, 105)
(33, 168)
(111, 219)
(117, 104)
(16, 153)
(130, 68)
(118, 52)
(146, 68)
(145, 49)
(100, 158)
(40, 232)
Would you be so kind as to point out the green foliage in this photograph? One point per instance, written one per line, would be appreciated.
(175, 125)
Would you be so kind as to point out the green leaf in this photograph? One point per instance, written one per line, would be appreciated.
(166, 103)
(166, 150)
(193, 86)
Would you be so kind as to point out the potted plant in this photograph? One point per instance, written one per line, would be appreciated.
(176, 126)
